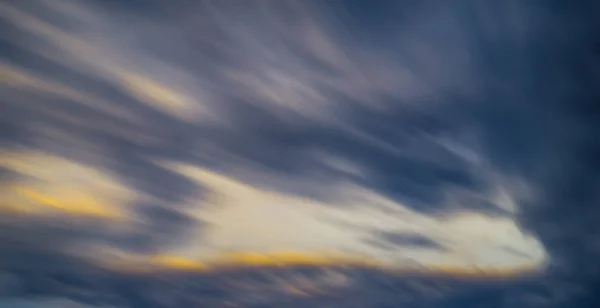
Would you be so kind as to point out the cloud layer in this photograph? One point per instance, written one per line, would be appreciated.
(446, 135)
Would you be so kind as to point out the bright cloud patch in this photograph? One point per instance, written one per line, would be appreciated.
(242, 217)
(47, 184)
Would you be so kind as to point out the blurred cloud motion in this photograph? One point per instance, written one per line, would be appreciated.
(299, 153)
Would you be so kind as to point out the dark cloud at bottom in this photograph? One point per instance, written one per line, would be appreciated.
(289, 287)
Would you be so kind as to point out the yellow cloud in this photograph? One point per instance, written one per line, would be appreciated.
(290, 258)
(234, 260)
(178, 263)
(47, 184)
(157, 95)
(138, 263)
(70, 202)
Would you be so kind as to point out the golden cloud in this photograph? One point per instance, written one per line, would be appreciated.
(47, 184)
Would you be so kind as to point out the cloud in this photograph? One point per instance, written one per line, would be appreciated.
(245, 218)
(466, 125)
(92, 57)
(157, 95)
(49, 183)
(17, 78)
(407, 239)
(49, 303)
(76, 209)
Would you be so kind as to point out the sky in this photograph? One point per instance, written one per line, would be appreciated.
(453, 138)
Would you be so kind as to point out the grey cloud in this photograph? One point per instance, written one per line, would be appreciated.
(293, 287)
(410, 240)
(398, 241)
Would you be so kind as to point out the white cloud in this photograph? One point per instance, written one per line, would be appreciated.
(240, 216)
